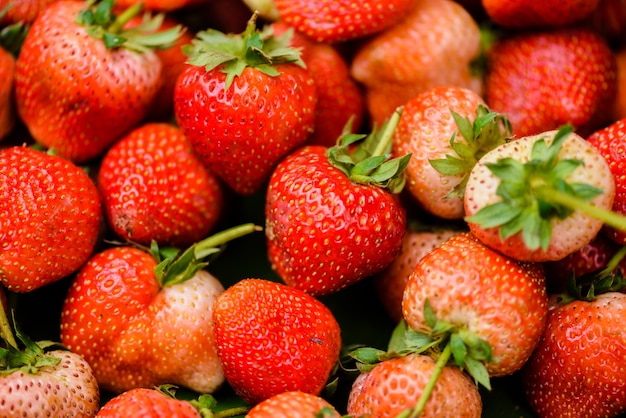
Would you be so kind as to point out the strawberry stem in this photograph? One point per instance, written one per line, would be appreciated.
(384, 141)
(442, 361)
(5, 328)
(123, 18)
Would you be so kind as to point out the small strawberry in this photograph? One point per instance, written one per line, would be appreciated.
(22, 11)
(331, 214)
(142, 318)
(524, 14)
(244, 101)
(50, 220)
(273, 338)
(446, 129)
(11, 39)
(95, 80)
(147, 403)
(433, 45)
(540, 197)
(154, 187)
(293, 404)
(619, 106)
(541, 80)
(342, 20)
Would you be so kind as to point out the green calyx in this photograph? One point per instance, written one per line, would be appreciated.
(489, 130)
(103, 24)
(370, 162)
(12, 36)
(205, 404)
(261, 50)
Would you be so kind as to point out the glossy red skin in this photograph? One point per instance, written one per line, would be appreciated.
(526, 14)
(325, 232)
(541, 81)
(72, 93)
(50, 218)
(272, 338)
(577, 369)
(611, 142)
(154, 187)
(242, 133)
(146, 403)
(8, 116)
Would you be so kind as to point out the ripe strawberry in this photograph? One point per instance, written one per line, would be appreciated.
(147, 403)
(619, 106)
(540, 197)
(394, 386)
(160, 5)
(543, 79)
(611, 144)
(273, 338)
(155, 188)
(496, 301)
(24, 11)
(94, 82)
(577, 370)
(140, 323)
(523, 14)
(447, 129)
(293, 404)
(244, 111)
(343, 20)
(432, 46)
(50, 218)
(331, 214)
(8, 116)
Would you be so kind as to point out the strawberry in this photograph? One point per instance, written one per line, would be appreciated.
(143, 318)
(338, 21)
(540, 197)
(393, 387)
(160, 5)
(273, 338)
(95, 81)
(8, 117)
(619, 106)
(146, 403)
(331, 214)
(154, 187)
(293, 404)
(51, 218)
(611, 144)
(447, 129)
(543, 79)
(24, 11)
(243, 111)
(432, 46)
(523, 14)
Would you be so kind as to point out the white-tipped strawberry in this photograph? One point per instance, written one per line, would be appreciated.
(541, 197)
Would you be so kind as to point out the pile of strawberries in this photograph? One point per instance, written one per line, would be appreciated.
(312, 208)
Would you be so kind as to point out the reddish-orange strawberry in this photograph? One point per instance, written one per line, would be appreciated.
(544, 79)
(293, 404)
(22, 11)
(8, 117)
(141, 320)
(154, 187)
(338, 21)
(433, 45)
(524, 14)
(243, 111)
(273, 338)
(147, 403)
(50, 218)
(94, 82)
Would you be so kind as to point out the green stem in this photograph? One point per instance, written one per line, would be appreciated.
(432, 381)
(232, 412)
(123, 18)
(5, 327)
(387, 134)
(222, 237)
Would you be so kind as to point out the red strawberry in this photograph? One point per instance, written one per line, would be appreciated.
(343, 20)
(540, 197)
(243, 112)
(543, 79)
(577, 370)
(437, 126)
(611, 144)
(534, 14)
(50, 218)
(160, 5)
(619, 106)
(432, 46)
(147, 403)
(92, 84)
(394, 386)
(293, 404)
(272, 338)
(331, 214)
(23, 11)
(8, 117)
(155, 188)
(140, 323)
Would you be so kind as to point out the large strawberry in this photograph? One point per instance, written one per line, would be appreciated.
(526, 14)
(338, 21)
(331, 214)
(244, 102)
(51, 218)
(142, 320)
(273, 338)
(543, 79)
(95, 80)
(154, 187)
(541, 197)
